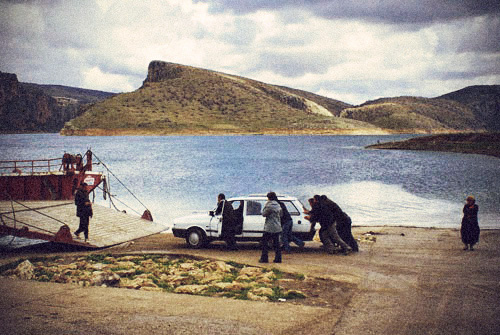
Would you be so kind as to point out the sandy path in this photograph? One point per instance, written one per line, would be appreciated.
(411, 281)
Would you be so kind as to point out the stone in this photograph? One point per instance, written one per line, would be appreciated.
(223, 266)
(187, 266)
(191, 289)
(25, 270)
(234, 286)
(125, 273)
(255, 297)
(250, 271)
(262, 291)
(124, 264)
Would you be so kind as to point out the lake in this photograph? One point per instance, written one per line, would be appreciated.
(176, 175)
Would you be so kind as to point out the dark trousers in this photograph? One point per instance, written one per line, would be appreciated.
(266, 238)
(84, 226)
(345, 233)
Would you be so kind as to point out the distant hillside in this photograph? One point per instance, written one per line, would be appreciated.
(413, 113)
(80, 95)
(39, 108)
(484, 101)
(182, 99)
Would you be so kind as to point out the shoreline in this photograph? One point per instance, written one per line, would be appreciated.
(466, 143)
(269, 132)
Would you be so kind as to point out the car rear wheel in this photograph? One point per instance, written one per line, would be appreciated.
(196, 238)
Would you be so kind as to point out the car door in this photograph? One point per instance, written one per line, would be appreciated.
(253, 224)
(299, 223)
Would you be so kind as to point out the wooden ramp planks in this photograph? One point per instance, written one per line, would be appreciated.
(107, 227)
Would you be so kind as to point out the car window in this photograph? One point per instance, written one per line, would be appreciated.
(290, 206)
(254, 207)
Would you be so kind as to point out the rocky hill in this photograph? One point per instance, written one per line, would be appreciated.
(178, 99)
(484, 101)
(182, 99)
(413, 113)
(39, 108)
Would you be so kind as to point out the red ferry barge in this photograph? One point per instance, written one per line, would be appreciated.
(37, 202)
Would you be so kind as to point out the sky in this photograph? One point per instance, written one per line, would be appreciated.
(351, 51)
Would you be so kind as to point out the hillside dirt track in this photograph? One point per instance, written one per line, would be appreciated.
(410, 281)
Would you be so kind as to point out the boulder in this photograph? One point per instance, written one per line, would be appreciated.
(25, 270)
(267, 291)
(255, 297)
(250, 271)
(191, 289)
(234, 286)
(223, 266)
(124, 264)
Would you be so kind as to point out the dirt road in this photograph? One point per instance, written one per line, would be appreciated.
(410, 281)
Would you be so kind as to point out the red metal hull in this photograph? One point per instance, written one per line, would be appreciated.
(46, 185)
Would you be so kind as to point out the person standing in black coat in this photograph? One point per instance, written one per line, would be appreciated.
(83, 210)
(228, 221)
(470, 225)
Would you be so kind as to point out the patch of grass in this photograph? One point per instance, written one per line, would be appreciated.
(277, 294)
(229, 278)
(300, 276)
(39, 273)
(294, 295)
(236, 265)
(98, 258)
(278, 274)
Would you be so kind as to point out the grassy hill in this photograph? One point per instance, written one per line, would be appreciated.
(483, 100)
(178, 99)
(414, 113)
(182, 99)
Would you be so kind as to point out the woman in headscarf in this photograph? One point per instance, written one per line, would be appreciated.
(470, 225)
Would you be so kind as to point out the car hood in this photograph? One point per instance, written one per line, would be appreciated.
(199, 218)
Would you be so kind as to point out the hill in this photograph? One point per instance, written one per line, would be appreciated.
(483, 100)
(416, 114)
(39, 108)
(183, 99)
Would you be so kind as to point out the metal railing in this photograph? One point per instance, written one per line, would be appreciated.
(32, 166)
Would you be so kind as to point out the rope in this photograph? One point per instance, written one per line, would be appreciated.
(100, 161)
(30, 225)
(36, 211)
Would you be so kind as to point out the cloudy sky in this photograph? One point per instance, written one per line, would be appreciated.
(348, 50)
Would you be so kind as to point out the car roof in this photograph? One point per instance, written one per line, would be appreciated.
(262, 197)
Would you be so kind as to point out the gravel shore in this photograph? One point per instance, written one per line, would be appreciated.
(410, 281)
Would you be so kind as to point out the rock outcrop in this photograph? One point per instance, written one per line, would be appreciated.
(26, 110)
(40, 108)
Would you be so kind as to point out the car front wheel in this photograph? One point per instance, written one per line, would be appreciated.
(196, 238)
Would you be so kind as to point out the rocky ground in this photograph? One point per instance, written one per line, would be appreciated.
(410, 281)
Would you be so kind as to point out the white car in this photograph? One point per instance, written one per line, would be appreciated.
(200, 229)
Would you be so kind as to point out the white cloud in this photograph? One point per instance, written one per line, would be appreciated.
(106, 44)
(94, 78)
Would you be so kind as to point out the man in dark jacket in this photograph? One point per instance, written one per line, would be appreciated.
(228, 221)
(83, 210)
(343, 225)
(329, 214)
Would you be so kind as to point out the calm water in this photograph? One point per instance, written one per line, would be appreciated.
(174, 176)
